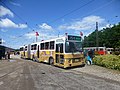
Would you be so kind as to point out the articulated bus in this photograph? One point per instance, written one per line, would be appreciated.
(63, 51)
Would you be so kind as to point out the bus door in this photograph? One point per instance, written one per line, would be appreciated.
(59, 53)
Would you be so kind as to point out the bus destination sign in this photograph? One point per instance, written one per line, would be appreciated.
(77, 38)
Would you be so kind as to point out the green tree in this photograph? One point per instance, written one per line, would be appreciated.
(109, 37)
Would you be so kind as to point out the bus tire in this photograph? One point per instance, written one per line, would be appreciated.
(51, 61)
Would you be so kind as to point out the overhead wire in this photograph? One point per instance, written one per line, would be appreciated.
(76, 9)
(13, 11)
(16, 15)
(96, 9)
(72, 11)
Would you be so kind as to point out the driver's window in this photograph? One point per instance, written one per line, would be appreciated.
(72, 46)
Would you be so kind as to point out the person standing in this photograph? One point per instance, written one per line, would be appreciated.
(89, 57)
(8, 55)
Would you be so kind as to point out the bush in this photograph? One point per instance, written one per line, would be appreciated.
(108, 61)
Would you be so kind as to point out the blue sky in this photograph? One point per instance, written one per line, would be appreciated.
(20, 19)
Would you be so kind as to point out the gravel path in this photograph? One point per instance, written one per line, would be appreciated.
(100, 72)
(28, 75)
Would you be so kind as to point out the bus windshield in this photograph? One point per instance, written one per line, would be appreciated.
(72, 47)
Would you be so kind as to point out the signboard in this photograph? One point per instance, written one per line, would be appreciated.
(77, 38)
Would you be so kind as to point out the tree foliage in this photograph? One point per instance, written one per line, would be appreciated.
(108, 37)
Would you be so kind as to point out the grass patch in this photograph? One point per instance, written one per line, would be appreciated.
(108, 61)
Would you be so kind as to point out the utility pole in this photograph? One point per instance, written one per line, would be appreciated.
(97, 42)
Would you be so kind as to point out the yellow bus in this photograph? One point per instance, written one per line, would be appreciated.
(63, 51)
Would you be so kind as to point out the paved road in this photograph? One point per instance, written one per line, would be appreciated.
(21, 74)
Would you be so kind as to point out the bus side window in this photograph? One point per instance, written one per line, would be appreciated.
(47, 45)
(25, 48)
(101, 49)
(35, 47)
(52, 44)
(42, 46)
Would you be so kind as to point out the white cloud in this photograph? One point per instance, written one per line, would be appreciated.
(87, 23)
(42, 36)
(7, 23)
(45, 26)
(30, 35)
(13, 37)
(109, 25)
(106, 26)
(15, 4)
(22, 26)
(48, 36)
(3, 41)
(4, 11)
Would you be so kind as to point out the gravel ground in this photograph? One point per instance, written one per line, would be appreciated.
(100, 72)
(19, 74)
